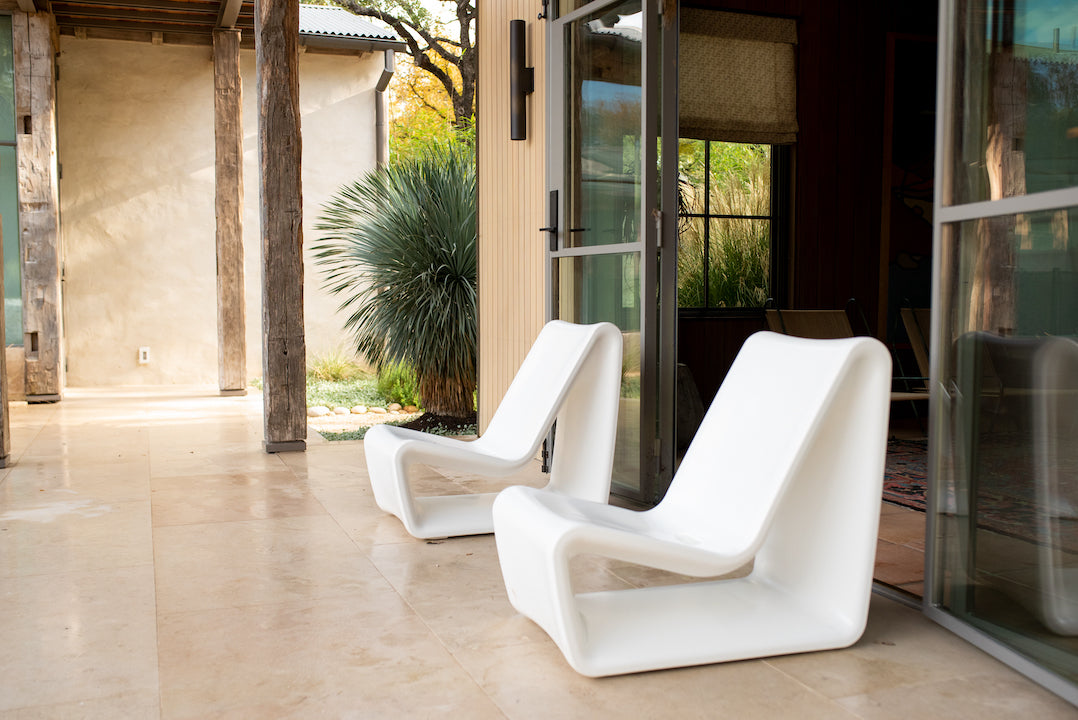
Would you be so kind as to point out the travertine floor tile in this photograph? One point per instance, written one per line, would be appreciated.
(356, 512)
(40, 480)
(898, 564)
(902, 526)
(456, 587)
(353, 656)
(77, 636)
(900, 648)
(533, 681)
(192, 499)
(227, 565)
(156, 562)
(71, 534)
(143, 705)
(978, 697)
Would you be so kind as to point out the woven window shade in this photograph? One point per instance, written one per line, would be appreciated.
(737, 77)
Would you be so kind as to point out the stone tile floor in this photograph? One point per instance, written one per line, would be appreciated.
(155, 562)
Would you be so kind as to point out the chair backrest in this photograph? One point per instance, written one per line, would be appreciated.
(782, 395)
(918, 323)
(557, 363)
(1055, 416)
(820, 324)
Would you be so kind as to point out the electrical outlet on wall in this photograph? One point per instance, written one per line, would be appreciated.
(144, 355)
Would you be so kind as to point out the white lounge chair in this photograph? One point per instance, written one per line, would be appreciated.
(786, 471)
(1055, 423)
(572, 374)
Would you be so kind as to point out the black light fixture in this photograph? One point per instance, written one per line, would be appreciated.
(521, 81)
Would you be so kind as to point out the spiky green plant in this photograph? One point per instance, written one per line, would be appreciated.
(399, 245)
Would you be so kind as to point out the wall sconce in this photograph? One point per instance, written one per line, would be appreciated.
(521, 82)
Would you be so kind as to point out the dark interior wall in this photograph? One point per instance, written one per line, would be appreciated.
(837, 197)
(838, 174)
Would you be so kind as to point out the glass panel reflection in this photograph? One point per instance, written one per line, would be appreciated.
(604, 100)
(9, 204)
(605, 288)
(1007, 490)
(1016, 99)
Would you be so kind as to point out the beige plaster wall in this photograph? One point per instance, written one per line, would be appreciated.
(137, 202)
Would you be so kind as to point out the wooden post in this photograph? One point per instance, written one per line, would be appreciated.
(5, 414)
(281, 202)
(228, 131)
(39, 215)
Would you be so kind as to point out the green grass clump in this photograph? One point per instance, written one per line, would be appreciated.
(335, 366)
(362, 390)
(397, 383)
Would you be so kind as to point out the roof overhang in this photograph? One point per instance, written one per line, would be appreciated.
(188, 22)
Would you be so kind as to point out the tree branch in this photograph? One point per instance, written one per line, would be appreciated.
(413, 31)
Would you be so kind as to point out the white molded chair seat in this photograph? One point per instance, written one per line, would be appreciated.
(786, 470)
(572, 374)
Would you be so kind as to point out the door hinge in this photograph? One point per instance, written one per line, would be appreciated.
(657, 215)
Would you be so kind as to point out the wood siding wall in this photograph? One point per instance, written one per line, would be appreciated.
(512, 204)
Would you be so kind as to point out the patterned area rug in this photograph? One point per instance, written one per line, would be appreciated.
(906, 476)
(1007, 499)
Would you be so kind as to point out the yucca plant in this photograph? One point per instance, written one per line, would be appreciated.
(399, 245)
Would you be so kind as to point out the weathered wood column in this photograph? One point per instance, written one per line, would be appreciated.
(5, 415)
(228, 132)
(281, 201)
(39, 207)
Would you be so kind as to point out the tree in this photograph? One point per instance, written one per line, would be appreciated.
(399, 246)
(421, 114)
(452, 61)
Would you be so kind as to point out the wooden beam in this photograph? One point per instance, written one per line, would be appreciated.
(228, 132)
(230, 10)
(39, 216)
(281, 202)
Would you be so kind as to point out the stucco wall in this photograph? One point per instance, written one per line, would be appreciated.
(137, 198)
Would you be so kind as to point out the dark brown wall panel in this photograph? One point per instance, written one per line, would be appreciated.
(835, 249)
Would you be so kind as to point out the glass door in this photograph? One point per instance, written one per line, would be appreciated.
(606, 222)
(1003, 514)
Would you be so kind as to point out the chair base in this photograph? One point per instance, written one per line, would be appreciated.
(443, 516)
(702, 623)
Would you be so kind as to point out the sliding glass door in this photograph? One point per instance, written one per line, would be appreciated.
(606, 221)
(1003, 520)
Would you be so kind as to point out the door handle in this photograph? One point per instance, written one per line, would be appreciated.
(552, 222)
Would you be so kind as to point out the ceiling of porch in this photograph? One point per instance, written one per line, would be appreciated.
(192, 22)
